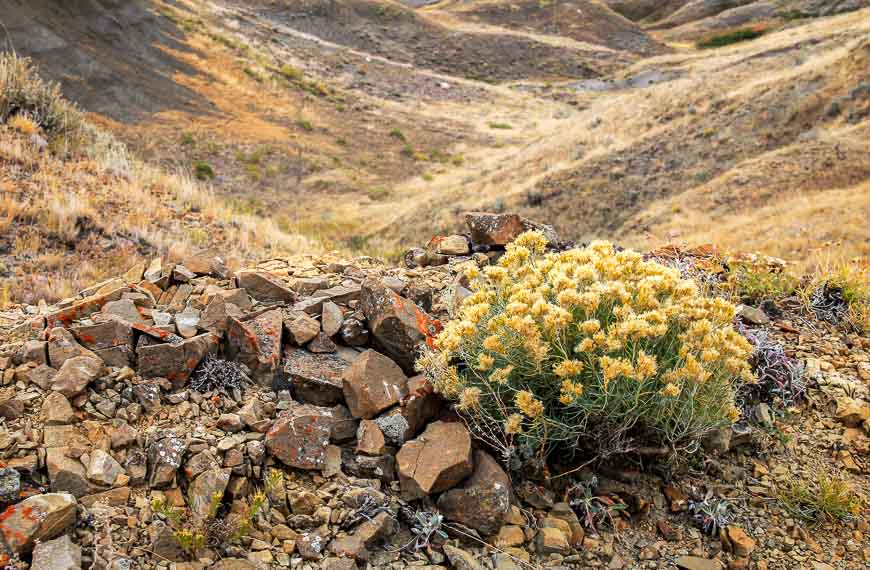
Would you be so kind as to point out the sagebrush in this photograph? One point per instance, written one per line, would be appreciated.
(588, 349)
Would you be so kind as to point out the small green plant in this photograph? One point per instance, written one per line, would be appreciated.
(305, 124)
(378, 193)
(825, 497)
(501, 126)
(187, 139)
(840, 292)
(757, 282)
(203, 171)
(291, 73)
(398, 134)
(733, 37)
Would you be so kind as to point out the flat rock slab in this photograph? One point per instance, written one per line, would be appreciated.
(37, 518)
(265, 287)
(84, 308)
(300, 435)
(175, 361)
(372, 384)
(314, 378)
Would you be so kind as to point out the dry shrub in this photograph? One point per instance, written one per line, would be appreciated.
(588, 349)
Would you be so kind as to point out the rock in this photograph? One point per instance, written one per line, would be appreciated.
(301, 328)
(344, 426)
(307, 286)
(449, 245)
(164, 458)
(398, 326)
(230, 422)
(187, 322)
(85, 307)
(322, 344)
(300, 435)
(550, 540)
(382, 467)
(697, 563)
(10, 485)
(103, 469)
(123, 310)
(311, 545)
(214, 317)
(37, 518)
(62, 346)
(257, 344)
(58, 554)
(164, 544)
(493, 229)
(436, 461)
(32, 351)
(483, 500)
(752, 315)
(851, 411)
(460, 559)
(421, 405)
(314, 378)
(395, 427)
(331, 318)
(104, 335)
(76, 373)
(737, 541)
(206, 486)
(11, 408)
(66, 474)
(510, 535)
(175, 361)
(370, 438)
(56, 410)
(254, 415)
(564, 512)
(265, 287)
(373, 383)
(116, 497)
(354, 332)
(42, 376)
(207, 263)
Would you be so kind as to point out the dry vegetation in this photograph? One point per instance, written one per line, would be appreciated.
(75, 207)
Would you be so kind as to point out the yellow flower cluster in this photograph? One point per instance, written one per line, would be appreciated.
(545, 333)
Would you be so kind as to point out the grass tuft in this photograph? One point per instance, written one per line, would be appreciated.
(732, 37)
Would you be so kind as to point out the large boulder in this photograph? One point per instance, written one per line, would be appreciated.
(58, 554)
(483, 500)
(436, 461)
(37, 518)
(398, 326)
(372, 384)
(491, 229)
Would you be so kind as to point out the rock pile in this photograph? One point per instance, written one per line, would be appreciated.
(192, 389)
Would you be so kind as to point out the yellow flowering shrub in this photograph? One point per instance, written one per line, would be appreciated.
(586, 349)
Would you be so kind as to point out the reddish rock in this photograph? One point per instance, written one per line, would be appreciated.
(84, 308)
(322, 344)
(331, 318)
(421, 404)
(501, 229)
(370, 438)
(265, 287)
(398, 326)
(38, 518)
(737, 541)
(32, 351)
(436, 461)
(483, 500)
(372, 384)
(204, 487)
(62, 346)
(214, 317)
(300, 435)
(175, 361)
(207, 263)
(257, 344)
(42, 376)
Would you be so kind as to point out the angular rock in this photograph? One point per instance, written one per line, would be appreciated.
(314, 378)
(56, 409)
(257, 344)
(550, 540)
(449, 245)
(42, 376)
(737, 541)
(301, 327)
(84, 308)
(398, 326)
(255, 415)
(395, 427)
(421, 404)
(219, 309)
(62, 346)
(11, 408)
(370, 438)
(104, 335)
(103, 468)
(697, 563)
(76, 373)
(373, 383)
(321, 344)
(300, 435)
(354, 332)
(436, 461)
(501, 229)
(124, 310)
(752, 315)
(32, 351)
(37, 518)
(204, 487)
(58, 554)
(164, 458)
(265, 287)
(331, 318)
(175, 361)
(483, 500)
(461, 559)
(382, 467)
(851, 411)
(207, 263)
(187, 322)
